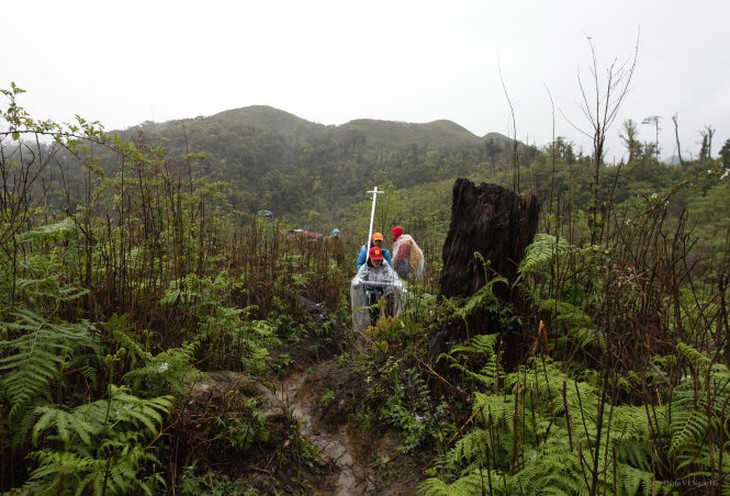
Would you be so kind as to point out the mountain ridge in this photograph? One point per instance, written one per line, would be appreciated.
(378, 133)
(275, 160)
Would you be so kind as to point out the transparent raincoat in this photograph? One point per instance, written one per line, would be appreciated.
(369, 285)
(407, 257)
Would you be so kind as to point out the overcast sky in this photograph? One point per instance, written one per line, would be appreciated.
(330, 62)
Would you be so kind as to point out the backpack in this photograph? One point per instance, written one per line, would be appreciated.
(402, 263)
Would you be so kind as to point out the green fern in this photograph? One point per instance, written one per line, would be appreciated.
(46, 288)
(471, 450)
(482, 347)
(544, 250)
(70, 473)
(53, 464)
(550, 388)
(688, 428)
(38, 276)
(551, 263)
(699, 418)
(34, 359)
(227, 340)
(170, 371)
(491, 442)
(483, 299)
(62, 230)
(495, 410)
(191, 294)
(570, 323)
(167, 372)
(70, 427)
(473, 483)
(105, 445)
(541, 439)
(553, 468)
(122, 409)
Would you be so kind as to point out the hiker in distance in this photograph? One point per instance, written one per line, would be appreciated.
(374, 280)
(407, 255)
(376, 240)
(335, 248)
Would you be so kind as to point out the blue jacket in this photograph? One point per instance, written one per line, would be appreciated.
(364, 252)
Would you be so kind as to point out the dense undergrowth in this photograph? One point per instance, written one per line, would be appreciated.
(112, 308)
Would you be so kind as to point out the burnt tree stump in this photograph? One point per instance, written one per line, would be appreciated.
(498, 224)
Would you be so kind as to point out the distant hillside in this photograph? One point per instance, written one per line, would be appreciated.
(266, 118)
(278, 161)
(391, 134)
(376, 133)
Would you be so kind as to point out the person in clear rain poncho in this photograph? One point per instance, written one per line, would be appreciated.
(375, 279)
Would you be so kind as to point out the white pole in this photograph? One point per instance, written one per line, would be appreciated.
(374, 192)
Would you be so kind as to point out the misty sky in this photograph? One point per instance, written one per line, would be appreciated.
(330, 62)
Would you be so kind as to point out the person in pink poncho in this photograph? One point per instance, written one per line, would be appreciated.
(407, 257)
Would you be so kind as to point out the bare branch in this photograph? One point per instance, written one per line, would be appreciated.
(515, 161)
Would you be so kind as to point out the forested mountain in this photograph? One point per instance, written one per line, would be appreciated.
(374, 134)
(299, 169)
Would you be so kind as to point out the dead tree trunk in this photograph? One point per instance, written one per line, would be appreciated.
(498, 224)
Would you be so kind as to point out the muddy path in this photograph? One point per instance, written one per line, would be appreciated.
(325, 399)
(298, 393)
(320, 398)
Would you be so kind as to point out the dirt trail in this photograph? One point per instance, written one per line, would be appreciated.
(350, 478)
(323, 398)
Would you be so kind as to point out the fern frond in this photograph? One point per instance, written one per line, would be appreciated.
(62, 230)
(481, 343)
(632, 422)
(559, 435)
(37, 356)
(120, 328)
(121, 476)
(699, 419)
(122, 410)
(55, 467)
(472, 447)
(67, 425)
(228, 341)
(553, 469)
(565, 313)
(483, 346)
(633, 481)
(133, 411)
(695, 356)
(434, 486)
(495, 411)
(542, 251)
(167, 372)
(106, 445)
(483, 299)
(544, 383)
(30, 373)
(689, 428)
(479, 481)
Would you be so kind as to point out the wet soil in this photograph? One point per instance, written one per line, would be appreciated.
(317, 401)
(325, 399)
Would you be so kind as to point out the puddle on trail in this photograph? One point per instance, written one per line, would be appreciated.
(335, 446)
